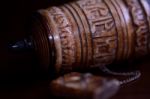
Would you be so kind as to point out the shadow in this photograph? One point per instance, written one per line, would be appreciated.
(17, 69)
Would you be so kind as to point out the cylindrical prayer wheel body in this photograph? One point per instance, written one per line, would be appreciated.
(91, 33)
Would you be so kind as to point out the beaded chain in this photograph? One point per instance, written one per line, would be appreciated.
(134, 75)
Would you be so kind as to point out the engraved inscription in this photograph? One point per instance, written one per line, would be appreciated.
(99, 16)
(140, 23)
(103, 30)
(65, 32)
(104, 49)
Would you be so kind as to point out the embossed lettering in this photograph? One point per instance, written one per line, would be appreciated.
(103, 31)
(139, 20)
(104, 48)
(65, 32)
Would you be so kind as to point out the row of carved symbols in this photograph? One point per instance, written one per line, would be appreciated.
(98, 15)
(140, 22)
(146, 6)
(103, 30)
(66, 36)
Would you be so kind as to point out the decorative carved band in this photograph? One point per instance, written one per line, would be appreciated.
(103, 33)
(140, 25)
(146, 7)
(64, 28)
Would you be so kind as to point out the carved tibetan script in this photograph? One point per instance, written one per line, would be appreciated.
(103, 30)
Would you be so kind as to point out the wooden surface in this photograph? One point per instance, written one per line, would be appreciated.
(20, 77)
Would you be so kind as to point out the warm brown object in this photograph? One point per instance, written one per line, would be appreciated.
(83, 86)
(91, 33)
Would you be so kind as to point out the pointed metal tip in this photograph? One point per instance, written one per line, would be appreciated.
(22, 45)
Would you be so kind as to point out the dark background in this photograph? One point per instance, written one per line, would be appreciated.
(20, 75)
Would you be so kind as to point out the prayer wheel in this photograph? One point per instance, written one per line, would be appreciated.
(83, 34)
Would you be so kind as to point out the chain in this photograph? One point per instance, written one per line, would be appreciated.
(134, 75)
